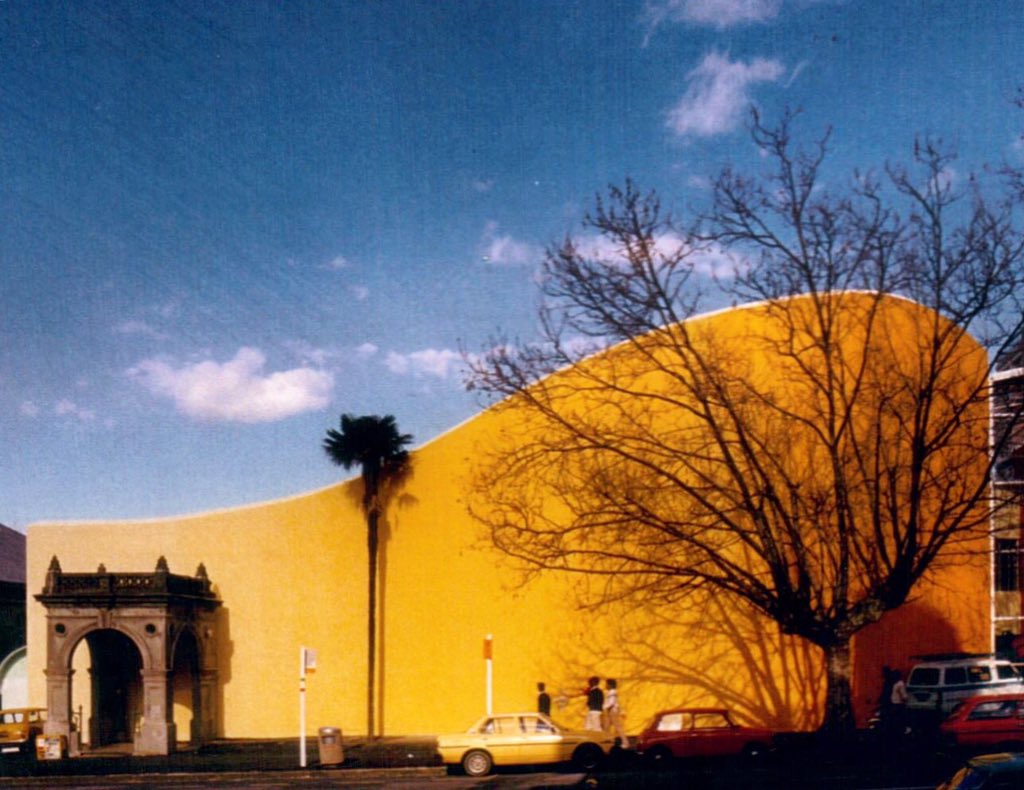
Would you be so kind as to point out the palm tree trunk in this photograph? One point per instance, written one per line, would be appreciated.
(371, 619)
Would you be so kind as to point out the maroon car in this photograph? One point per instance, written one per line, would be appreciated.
(700, 732)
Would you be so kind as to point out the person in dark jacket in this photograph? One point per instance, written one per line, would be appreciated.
(543, 700)
(595, 704)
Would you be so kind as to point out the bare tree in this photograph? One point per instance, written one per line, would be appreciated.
(812, 457)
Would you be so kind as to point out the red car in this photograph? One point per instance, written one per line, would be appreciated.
(700, 732)
(990, 720)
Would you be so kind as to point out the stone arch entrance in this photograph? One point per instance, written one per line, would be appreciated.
(116, 686)
(151, 637)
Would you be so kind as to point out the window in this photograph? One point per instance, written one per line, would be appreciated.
(710, 721)
(670, 722)
(502, 726)
(924, 676)
(979, 674)
(534, 724)
(956, 676)
(994, 710)
(1007, 672)
(1007, 565)
(1007, 402)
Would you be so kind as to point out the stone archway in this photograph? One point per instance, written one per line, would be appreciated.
(164, 618)
(116, 687)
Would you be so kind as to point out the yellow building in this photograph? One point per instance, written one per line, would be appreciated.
(213, 651)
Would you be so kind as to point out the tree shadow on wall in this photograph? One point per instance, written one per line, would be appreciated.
(707, 652)
(914, 629)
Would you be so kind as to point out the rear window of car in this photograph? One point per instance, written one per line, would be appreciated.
(955, 676)
(994, 710)
(925, 676)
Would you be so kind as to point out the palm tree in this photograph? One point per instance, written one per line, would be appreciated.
(374, 444)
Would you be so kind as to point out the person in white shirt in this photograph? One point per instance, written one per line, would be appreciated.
(613, 712)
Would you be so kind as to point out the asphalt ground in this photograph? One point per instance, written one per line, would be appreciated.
(800, 762)
(232, 756)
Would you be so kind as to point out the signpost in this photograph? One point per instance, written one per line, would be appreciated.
(307, 663)
(489, 661)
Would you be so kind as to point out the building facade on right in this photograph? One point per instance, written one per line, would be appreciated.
(1007, 392)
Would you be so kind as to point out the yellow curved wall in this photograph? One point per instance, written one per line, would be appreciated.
(293, 572)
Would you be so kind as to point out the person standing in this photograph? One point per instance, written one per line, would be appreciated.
(898, 704)
(595, 704)
(613, 712)
(543, 700)
(885, 698)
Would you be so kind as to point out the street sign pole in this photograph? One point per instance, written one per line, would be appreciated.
(302, 707)
(307, 663)
(489, 660)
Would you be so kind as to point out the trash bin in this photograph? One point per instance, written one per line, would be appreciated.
(51, 747)
(329, 743)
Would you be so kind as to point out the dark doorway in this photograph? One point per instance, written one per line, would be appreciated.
(186, 694)
(116, 687)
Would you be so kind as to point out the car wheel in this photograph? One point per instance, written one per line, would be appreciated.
(588, 756)
(477, 763)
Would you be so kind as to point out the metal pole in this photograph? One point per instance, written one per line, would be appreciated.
(302, 707)
(488, 655)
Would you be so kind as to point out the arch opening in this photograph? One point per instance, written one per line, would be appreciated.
(115, 683)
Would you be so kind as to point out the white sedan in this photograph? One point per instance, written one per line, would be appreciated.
(521, 739)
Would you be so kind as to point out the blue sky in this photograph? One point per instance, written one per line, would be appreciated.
(225, 223)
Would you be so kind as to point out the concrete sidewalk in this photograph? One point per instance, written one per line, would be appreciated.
(234, 756)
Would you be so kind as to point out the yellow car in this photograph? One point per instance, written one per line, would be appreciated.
(19, 728)
(521, 739)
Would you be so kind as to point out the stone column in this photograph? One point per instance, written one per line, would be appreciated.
(58, 702)
(156, 732)
(208, 705)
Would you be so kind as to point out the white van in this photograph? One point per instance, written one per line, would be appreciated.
(939, 684)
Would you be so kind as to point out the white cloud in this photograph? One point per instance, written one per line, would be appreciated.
(68, 408)
(718, 93)
(237, 390)
(719, 14)
(360, 292)
(430, 362)
(711, 260)
(338, 262)
(502, 249)
(28, 409)
(483, 185)
(135, 327)
(366, 350)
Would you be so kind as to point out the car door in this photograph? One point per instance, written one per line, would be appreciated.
(712, 735)
(502, 738)
(541, 741)
(993, 722)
